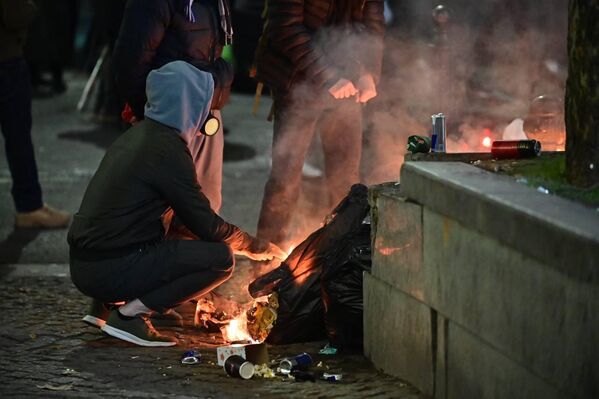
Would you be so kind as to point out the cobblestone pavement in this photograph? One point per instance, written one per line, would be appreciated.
(45, 351)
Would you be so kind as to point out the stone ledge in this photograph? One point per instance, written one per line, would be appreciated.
(558, 232)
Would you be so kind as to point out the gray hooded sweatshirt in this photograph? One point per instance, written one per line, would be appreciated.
(150, 168)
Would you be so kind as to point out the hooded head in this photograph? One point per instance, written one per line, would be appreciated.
(179, 96)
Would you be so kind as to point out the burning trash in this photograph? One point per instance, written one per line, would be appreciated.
(326, 268)
(254, 324)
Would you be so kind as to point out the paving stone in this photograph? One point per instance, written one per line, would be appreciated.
(91, 364)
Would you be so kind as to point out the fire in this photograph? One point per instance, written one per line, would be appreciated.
(237, 330)
(487, 142)
(254, 322)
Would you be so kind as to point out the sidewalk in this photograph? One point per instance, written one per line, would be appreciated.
(45, 351)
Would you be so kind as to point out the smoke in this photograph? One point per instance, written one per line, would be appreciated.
(500, 55)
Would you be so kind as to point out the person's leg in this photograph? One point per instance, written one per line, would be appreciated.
(207, 153)
(155, 278)
(15, 123)
(294, 128)
(149, 270)
(341, 135)
(200, 267)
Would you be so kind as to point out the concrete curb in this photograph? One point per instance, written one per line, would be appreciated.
(558, 232)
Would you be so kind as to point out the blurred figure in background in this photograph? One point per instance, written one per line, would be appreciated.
(156, 32)
(50, 42)
(321, 66)
(15, 119)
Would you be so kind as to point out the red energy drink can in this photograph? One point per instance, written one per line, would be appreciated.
(516, 149)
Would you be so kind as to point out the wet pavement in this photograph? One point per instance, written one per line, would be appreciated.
(46, 351)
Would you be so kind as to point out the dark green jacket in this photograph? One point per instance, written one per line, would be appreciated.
(146, 170)
(15, 17)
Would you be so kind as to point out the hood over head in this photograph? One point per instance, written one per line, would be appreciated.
(179, 96)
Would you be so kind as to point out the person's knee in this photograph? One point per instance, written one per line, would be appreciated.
(226, 260)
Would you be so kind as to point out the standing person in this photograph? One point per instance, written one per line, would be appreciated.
(15, 119)
(322, 60)
(117, 247)
(156, 32)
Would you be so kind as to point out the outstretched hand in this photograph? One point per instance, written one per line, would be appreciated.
(261, 249)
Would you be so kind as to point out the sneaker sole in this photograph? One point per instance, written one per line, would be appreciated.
(93, 321)
(125, 336)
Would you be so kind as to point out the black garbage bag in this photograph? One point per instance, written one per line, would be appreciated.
(298, 280)
(341, 284)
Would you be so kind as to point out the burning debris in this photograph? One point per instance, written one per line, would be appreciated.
(246, 324)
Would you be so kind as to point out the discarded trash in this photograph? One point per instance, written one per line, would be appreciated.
(299, 362)
(301, 375)
(418, 144)
(543, 190)
(516, 149)
(438, 134)
(64, 387)
(192, 356)
(332, 377)
(300, 317)
(319, 365)
(207, 317)
(262, 370)
(255, 353)
(261, 317)
(522, 180)
(236, 366)
(328, 350)
(70, 372)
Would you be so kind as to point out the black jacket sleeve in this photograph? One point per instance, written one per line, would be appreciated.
(142, 30)
(176, 180)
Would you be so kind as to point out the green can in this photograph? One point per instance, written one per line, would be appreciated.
(419, 144)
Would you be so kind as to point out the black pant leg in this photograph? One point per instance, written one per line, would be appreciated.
(161, 275)
(199, 268)
(15, 123)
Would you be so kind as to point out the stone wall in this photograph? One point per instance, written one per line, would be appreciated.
(482, 287)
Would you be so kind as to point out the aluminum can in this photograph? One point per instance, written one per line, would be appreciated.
(332, 377)
(418, 144)
(516, 149)
(237, 366)
(191, 356)
(438, 135)
(299, 362)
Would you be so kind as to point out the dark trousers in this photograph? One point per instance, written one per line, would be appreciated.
(161, 275)
(297, 118)
(15, 123)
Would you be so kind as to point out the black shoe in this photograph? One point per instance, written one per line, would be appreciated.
(97, 314)
(137, 330)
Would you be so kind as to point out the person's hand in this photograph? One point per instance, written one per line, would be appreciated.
(261, 249)
(366, 88)
(343, 89)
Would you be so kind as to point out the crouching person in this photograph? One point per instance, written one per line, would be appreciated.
(117, 249)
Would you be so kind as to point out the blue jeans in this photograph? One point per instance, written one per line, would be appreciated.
(15, 123)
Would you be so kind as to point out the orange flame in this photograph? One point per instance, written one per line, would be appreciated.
(237, 330)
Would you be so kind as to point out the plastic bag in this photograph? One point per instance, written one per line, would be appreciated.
(342, 292)
(298, 281)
